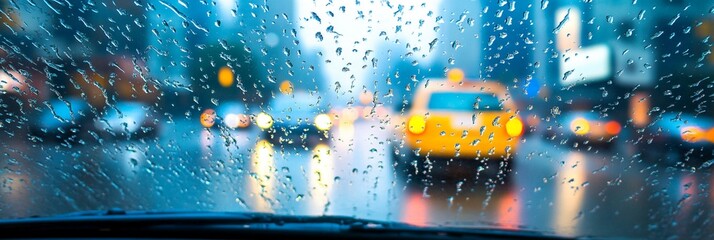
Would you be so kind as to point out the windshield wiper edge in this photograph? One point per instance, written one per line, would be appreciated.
(119, 223)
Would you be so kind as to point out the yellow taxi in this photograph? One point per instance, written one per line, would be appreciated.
(462, 118)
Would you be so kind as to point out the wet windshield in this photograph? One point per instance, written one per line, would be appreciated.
(576, 118)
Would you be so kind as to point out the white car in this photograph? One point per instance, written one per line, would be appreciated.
(128, 119)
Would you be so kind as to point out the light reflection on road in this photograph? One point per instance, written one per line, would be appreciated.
(321, 179)
(509, 211)
(570, 194)
(262, 182)
(14, 189)
(415, 210)
(207, 139)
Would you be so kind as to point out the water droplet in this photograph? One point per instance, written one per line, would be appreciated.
(318, 35)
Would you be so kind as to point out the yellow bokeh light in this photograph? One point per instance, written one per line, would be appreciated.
(417, 124)
(286, 87)
(580, 126)
(263, 120)
(323, 122)
(225, 76)
(455, 75)
(514, 127)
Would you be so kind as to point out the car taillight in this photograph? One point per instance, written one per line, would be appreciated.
(514, 127)
(692, 134)
(612, 128)
(416, 124)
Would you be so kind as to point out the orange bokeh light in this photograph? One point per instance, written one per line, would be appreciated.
(612, 128)
(286, 87)
(710, 135)
(639, 109)
(208, 118)
(692, 134)
(225, 76)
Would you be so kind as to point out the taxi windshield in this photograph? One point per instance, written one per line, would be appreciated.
(463, 102)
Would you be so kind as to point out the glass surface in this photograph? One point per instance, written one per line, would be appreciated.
(313, 108)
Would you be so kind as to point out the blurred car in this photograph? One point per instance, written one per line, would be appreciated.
(465, 119)
(62, 119)
(297, 118)
(233, 115)
(586, 127)
(18, 94)
(677, 138)
(128, 119)
(13, 82)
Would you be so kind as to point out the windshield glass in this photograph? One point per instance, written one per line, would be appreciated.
(573, 118)
(457, 101)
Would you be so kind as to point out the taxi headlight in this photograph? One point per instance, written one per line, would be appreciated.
(514, 127)
(416, 125)
(323, 122)
(263, 120)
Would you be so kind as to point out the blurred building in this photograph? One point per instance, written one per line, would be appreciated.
(655, 51)
(507, 40)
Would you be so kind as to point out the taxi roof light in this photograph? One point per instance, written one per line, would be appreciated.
(455, 75)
